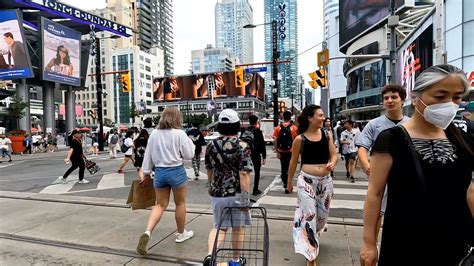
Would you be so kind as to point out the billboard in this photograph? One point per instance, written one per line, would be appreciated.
(204, 86)
(14, 59)
(61, 53)
(357, 17)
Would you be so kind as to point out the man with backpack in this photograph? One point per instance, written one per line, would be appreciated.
(254, 138)
(198, 139)
(283, 138)
(112, 141)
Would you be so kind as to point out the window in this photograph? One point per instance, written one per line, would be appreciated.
(148, 94)
(147, 60)
(105, 112)
(148, 77)
(147, 68)
(142, 75)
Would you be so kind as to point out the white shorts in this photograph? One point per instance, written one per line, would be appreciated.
(95, 144)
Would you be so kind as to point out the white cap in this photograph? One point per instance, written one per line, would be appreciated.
(228, 116)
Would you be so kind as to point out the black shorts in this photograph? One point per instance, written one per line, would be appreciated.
(350, 156)
(129, 156)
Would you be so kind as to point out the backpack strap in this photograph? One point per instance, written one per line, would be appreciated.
(224, 158)
(416, 159)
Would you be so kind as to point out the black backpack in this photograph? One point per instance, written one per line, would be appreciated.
(249, 137)
(285, 139)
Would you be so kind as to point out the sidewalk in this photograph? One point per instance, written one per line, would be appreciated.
(107, 226)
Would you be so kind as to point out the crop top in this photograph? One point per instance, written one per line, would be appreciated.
(315, 152)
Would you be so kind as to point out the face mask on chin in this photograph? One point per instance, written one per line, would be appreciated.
(439, 114)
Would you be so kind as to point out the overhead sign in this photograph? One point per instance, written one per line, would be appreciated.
(73, 13)
(323, 58)
(255, 70)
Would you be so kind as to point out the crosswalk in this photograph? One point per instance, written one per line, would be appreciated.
(348, 201)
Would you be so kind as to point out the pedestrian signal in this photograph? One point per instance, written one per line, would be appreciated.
(126, 84)
(239, 77)
(92, 114)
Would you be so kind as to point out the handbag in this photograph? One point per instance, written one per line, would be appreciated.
(141, 197)
(91, 166)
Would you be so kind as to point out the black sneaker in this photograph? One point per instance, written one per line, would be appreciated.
(352, 179)
(256, 192)
(348, 175)
(10, 160)
(287, 191)
(207, 260)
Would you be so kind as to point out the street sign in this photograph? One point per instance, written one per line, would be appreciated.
(323, 58)
(255, 70)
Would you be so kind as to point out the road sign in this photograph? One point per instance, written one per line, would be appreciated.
(323, 58)
(255, 70)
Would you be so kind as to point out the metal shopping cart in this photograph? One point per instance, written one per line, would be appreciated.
(246, 241)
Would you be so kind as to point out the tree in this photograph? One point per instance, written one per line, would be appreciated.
(133, 112)
(156, 120)
(16, 109)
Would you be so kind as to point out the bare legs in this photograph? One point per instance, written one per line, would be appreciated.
(162, 201)
(180, 202)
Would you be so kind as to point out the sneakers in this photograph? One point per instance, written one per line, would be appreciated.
(348, 175)
(184, 236)
(83, 181)
(60, 180)
(10, 160)
(256, 192)
(196, 178)
(141, 248)
(352, 179)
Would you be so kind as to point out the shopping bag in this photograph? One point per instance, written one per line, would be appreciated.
(141, 197)
(92, 167)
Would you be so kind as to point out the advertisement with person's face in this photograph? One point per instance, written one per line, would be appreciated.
(61, 53)
(14, 59)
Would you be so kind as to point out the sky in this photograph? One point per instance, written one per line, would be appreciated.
(193, 25)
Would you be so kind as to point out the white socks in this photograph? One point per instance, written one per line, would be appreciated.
(148, 233)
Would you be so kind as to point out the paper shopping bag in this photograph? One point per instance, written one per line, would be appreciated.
(141, 197)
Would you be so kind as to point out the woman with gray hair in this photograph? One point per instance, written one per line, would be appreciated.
(427, 164)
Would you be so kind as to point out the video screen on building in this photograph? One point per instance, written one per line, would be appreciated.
(220, 84)
(14, 59)
(358, 16)
(61, 53)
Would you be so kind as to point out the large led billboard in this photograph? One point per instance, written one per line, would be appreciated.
(14, 60)
(359, 16)
(61, 53)
(200, 86)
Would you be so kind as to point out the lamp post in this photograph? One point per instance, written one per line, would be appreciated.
(98, 79)
(275, 56)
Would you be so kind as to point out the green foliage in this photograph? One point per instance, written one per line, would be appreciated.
(16, 110)
(201, 119)
(156, 119)
(133, 112)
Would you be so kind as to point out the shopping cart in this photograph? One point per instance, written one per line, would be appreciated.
(249, 245)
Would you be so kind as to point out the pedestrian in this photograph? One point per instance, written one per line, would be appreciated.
(95, 144)
(148, 125)
(349, 150)
(339, 128)
(314, 183)
(254, 138)
(198, 139)
(328, 130)
(112, 142)
(27, 144)
(427, 165)
(229, 164)
(283, 136)
(35, 140)
(139, 148)
(5, 147)
(75, 156)
(167, 147)
(128, 144)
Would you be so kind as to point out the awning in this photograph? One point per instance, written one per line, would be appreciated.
(5, 94)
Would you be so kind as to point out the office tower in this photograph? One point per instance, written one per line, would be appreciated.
(212, 60)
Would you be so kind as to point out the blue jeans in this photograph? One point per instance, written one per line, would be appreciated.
(170, 177)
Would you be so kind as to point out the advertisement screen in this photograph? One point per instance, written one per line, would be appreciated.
(357, 16)
(61, 53)
(14, 60)
(220, 84)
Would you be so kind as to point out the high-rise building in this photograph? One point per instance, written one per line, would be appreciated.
(230, 18)
(285, 13)
(212, 60)
(153, 20)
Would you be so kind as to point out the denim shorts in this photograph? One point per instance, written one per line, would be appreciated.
(5, 152)
(170, 177)
(227, 218)
(350, 156)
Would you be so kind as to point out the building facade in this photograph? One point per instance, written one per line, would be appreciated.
(153, 20)
(212, 60)
(230, 18)
(285, 13)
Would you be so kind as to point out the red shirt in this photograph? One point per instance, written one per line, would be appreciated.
(294, 133)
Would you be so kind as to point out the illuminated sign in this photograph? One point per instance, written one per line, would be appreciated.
(78, 15)
(282, 20)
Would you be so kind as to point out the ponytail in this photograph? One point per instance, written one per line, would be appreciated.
(303, 122)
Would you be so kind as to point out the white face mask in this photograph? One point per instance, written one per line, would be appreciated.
(439, 114)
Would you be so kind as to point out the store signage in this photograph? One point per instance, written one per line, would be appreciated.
(471, 79)
(410, 65)
(282, 20)
(73, 13)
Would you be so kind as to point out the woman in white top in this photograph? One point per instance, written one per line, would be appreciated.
(166, 149)
(129, 153)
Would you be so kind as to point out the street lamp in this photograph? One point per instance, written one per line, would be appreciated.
(275, 56)
(98, 79)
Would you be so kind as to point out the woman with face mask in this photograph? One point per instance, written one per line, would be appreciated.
(429, 214)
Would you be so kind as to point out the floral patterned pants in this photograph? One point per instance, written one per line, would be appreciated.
(311, 214)
(196, 162)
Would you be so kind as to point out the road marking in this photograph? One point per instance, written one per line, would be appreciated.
(265, 192)
(112, 180)
(344, 182)
(190, 174)
(291, 201)
(61, 188)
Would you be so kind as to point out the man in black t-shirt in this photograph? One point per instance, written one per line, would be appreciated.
(258, 151)
(198, 139)
(76, 156)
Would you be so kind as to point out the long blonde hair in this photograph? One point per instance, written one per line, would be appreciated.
(171, 118)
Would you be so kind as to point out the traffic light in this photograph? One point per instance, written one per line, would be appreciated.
(126, 84)
(239, 77)
(318, 78)
(92, 114)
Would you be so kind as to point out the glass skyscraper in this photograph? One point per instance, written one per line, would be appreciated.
(230, 17)
(285, 13)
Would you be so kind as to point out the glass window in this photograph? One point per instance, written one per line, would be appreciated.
(468, 38)
(148, 94)
(453, 17)
(454, 43)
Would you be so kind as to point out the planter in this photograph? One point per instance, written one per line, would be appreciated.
(17, 143)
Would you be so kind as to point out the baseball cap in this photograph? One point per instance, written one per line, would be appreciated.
(228, 116)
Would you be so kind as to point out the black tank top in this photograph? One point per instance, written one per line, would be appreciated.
(315, 152)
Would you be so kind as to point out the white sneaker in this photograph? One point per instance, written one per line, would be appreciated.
(60, 180)
(184, 236)
(83, 181)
